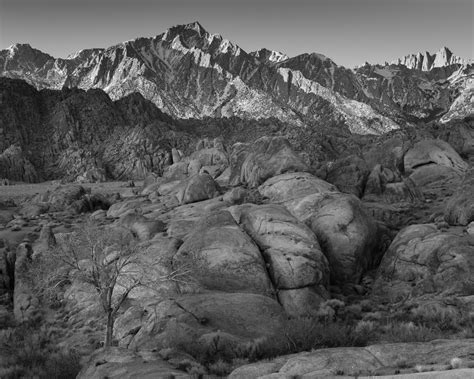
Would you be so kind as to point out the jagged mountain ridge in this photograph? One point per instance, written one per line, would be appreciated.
(427, 61)
(190, 73)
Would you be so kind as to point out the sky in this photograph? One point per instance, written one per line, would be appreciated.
(350, 32)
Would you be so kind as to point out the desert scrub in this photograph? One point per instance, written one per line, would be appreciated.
(27, 351)
(445, 318)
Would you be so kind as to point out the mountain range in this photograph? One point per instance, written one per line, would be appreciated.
(117, 113)
(188, 72)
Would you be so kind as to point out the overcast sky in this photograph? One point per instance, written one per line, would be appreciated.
(348, 31)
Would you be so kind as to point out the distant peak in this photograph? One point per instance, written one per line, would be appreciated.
(196, 25)
(272, 56)
(444, 49)
(192, 29)
(19, 46)
(25, 49)
(427, 61)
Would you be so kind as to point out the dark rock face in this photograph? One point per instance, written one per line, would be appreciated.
(15, 166)
(7, 274)
(81, 136)
(349, 175)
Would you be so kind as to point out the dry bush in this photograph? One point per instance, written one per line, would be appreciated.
(27, 351)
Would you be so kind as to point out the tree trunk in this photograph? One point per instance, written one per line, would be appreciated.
(110, 329)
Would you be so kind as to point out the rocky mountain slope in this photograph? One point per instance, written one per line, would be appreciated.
(188, 72)
(78, 135)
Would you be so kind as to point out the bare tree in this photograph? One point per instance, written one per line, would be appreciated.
(107, 261)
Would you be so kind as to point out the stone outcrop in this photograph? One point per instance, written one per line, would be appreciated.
(422, 261)
(141, 226)
(347, 234)
(385, 184)
(14, 165)
(223, 258)
(298, 268)
(71, 197)
(349, 175)
(187, 317)
(123, 363)
(367, 361)
(437, 152)
(286, 188)
(460, 207)
(197, 188)
(254, 163)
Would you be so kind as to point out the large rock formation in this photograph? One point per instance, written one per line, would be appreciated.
(436, 152)
(188, 317)
(254, 163)
(286, 188)
(297, 266)
(423, 262)
(460, 207)
(223, 258)
(347, 234)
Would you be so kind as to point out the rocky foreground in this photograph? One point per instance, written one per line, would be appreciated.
(283, 263)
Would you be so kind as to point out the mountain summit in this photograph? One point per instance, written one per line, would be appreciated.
(426, 61)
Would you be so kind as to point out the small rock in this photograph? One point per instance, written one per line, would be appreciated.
(470, 228)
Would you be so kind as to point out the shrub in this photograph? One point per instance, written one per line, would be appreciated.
(441, 316)
(27, 351)
(408, 332)
(221, 368)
